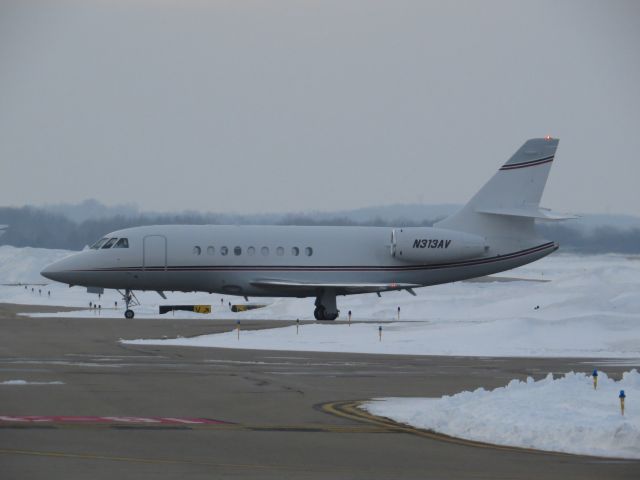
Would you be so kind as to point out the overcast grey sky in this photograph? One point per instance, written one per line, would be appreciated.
(254, 106)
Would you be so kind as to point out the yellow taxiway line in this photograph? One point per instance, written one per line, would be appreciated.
(352, 410)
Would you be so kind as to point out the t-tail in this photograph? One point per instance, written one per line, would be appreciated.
(506, 207)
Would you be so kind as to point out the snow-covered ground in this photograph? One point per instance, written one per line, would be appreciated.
(25, 382)
(500, 338)
(564, 414)
(588, 306)
(25, 264)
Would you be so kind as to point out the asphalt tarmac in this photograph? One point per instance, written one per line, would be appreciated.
(268, 414)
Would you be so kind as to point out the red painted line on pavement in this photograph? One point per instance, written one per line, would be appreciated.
(114, 419)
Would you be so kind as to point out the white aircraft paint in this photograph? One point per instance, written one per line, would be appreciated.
(494, 232)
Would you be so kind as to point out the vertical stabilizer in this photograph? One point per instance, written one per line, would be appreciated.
(508, 203)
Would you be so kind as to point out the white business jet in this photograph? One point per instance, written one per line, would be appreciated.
(492, 233)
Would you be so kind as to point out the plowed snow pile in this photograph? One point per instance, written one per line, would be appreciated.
(564, 414)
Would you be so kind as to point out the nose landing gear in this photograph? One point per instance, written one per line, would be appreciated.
(130, 300)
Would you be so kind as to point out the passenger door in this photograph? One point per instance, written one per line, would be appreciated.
(154, 253)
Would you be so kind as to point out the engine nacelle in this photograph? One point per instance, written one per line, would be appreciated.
(435, 245)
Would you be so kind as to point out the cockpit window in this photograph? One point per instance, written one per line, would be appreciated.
(110, 243)
(99, 243)
(122, 243)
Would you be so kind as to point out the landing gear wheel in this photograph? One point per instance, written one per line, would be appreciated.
(321, 314)
(326, 308)
(130, 300)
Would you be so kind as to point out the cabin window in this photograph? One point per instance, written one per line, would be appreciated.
(197, 250)
(280, 251)
(264, 251)
(122, 243)
(237, 251)
(211, 250)
(295, 251)
(110, 243)
(224, 250)
(308, 251)
(99, 243)
(251, 251)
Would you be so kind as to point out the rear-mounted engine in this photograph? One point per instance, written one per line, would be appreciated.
(435, 245)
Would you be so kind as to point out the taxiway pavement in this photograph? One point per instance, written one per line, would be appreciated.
(271, 403)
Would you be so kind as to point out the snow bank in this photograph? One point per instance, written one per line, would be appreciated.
(564, 414)
(593, 337)
(23, 265)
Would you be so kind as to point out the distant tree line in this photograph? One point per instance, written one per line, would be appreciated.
(33, 227)
(600, 240)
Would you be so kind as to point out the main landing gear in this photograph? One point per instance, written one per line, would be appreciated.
(130, 300)
(326, 308)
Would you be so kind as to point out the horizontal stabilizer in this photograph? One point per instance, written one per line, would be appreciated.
(340, 288)
(533, 212)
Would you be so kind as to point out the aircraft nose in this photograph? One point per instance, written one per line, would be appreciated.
(50, 272)
(56, 271)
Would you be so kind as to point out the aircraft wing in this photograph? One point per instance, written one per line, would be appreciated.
(340, 288)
